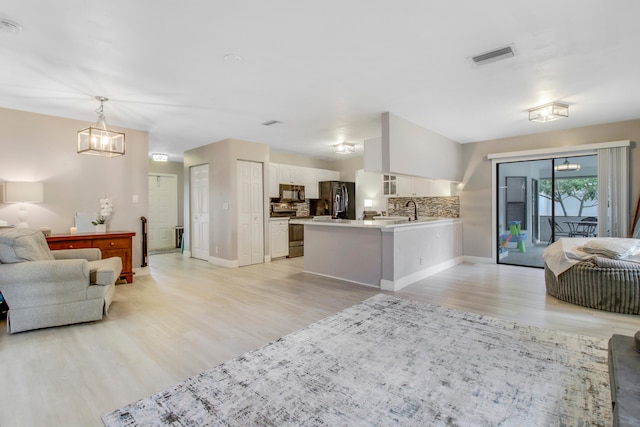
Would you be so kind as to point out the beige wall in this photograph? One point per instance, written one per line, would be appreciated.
(222, 159)
(172, 168)
(298, 160)
(348, 167)
(475, 198)
(37, 147)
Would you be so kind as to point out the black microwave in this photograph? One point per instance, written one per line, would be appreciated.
(291, 193)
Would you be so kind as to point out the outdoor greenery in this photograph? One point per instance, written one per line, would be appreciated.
(584, 189)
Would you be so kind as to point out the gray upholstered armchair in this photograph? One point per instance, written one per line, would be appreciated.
(46, 288)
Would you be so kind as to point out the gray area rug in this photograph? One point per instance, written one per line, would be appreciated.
(389, 361)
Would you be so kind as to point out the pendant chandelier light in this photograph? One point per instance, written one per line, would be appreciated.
(99, 140)
(567, 167)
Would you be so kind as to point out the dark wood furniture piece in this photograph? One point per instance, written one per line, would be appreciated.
(624, 376)
(112, 243)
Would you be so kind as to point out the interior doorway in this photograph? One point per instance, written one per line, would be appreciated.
(163, 211)
(199, 208)
(250, 213)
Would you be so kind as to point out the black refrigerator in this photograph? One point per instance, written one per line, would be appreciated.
(337, 199)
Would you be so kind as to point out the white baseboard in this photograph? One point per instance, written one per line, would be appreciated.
(224, 262)
(478, 260)
(186, 254)
(267, 258)
(142, 271)
(340, 278)
(396, 285)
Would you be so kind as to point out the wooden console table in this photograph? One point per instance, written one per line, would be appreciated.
(112, 243)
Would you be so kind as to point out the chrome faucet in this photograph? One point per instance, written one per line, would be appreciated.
(415, 209)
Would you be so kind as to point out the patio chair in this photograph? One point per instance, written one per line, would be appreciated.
(588, 229)
(557, 230)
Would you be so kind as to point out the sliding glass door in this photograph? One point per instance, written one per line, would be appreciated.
(540, 201)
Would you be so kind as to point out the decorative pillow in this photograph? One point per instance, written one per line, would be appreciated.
(22, 244)
(612, 247)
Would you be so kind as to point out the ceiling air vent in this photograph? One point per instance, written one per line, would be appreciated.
(271, 122)
(494, 55)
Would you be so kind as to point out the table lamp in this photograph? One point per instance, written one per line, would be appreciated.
(23, 193)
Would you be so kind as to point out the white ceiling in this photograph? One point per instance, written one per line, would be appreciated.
(325, 69)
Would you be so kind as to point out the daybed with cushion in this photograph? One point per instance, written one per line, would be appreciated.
(46, 288)
(601, 273)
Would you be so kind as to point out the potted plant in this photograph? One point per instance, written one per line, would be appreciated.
(101, 224)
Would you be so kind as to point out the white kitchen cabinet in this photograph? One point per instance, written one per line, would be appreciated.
(274, 180)
(389, 185)
(407, 186)
(279, 238)
(290, 174)
(327, 175)
(310, 182)
(300, 175)
(411, 186)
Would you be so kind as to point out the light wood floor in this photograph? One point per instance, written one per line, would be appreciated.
(188, 316)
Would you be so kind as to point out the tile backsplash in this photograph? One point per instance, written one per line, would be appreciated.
(443, 207)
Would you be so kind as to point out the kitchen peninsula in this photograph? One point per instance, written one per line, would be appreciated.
(386, 254)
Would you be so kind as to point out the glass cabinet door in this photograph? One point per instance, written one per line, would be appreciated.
(389, 185)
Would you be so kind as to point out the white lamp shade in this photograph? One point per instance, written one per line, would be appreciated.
(23, 192)
(368, 203)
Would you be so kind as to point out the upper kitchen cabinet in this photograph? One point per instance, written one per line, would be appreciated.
(312, 188)
(290, 174)
(310, 182)
(410, 186)
(389, 185)
(274, 180)
(327, 175)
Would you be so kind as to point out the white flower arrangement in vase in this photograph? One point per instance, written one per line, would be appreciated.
(106, 209)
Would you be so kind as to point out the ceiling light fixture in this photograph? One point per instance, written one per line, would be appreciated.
(160, 157)
(344, 148)
(98, 140)
(567, 167)
(549, 112)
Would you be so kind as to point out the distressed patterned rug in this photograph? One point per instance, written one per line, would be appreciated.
(389, 361)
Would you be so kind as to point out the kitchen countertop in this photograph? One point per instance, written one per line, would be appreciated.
(378, 223)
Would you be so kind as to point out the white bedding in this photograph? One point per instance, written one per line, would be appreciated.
(566, 252)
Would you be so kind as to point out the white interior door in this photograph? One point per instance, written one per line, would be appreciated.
(199, 185)
(250, 213)
(163, 210)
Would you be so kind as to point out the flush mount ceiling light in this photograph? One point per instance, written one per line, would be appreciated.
(344, 148)
(549, 112)
(160, 157)
(99, 140)
(567, 167)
